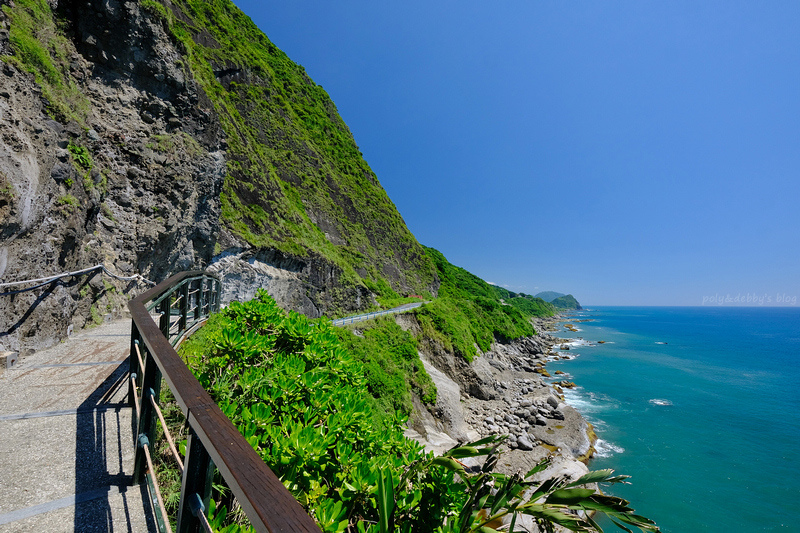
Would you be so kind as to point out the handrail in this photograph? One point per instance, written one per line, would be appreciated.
(213, 439)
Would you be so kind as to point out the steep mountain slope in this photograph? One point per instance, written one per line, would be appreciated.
(549, 296)
(566, 302)
(162, 136)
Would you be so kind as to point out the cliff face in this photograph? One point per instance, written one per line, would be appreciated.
(159, 137)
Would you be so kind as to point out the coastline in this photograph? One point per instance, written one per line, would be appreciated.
(505, 391)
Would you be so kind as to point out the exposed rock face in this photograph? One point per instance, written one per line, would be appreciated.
(134, 179)
(500, 393)
(513, 400)
(145, 200)
(307, 286)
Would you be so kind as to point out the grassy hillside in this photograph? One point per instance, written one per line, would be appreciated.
(549, 296)
(391, 362)
(566, 302)
(296, 178)
(470, 314)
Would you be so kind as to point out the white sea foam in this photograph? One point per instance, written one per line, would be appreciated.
(660, 401)
(577, 399)
(572, 343)
(604, 398)
(603, 448)
(563, 356)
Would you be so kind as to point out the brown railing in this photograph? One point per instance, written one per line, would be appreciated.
(162, 316)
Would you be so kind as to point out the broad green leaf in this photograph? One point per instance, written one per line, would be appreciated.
(598, 476)
(540, 467)
(466, 451)
(385, 501)
(569, 496)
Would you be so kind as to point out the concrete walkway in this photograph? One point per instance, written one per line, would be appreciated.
(66, 439)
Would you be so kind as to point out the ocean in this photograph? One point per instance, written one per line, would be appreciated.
(700, 406)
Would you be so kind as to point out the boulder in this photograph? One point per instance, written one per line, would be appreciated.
(523, 443)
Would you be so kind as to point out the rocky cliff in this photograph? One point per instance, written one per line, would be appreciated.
(155, 137)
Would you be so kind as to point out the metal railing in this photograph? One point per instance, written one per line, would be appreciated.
(374, 314)
(161, 318)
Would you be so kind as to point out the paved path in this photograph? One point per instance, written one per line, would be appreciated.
(66, 439)
(367, 316)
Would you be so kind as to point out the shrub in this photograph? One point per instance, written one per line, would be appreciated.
(81, 156)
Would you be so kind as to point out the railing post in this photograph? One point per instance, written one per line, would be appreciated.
(166, 316)
(215, 294)
(134, 364)
(147, 420)
(206, 296)
(198, 293)
(198, 471)
(184, 307)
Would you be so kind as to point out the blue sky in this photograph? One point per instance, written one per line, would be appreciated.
(630, 153)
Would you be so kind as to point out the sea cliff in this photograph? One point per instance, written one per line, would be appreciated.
(504, 391)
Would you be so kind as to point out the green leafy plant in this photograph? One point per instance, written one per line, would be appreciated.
(7, 191)
(67, 203)
(97, 319)
(488, 497)
(81, 156)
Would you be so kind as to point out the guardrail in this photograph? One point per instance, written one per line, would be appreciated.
(161, 318)
(367, 316)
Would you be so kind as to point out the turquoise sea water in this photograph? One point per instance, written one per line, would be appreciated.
(708, 424)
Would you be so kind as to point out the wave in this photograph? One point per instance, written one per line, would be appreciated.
(572, 343)
(603, 448)
(563, 356)
(660, 401)
(589, 403)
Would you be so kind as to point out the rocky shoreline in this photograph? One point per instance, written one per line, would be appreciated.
(505, 392)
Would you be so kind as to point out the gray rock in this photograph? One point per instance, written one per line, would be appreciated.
(61, 172)
(523, 443)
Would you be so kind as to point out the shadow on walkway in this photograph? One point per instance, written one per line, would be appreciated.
(103, 453)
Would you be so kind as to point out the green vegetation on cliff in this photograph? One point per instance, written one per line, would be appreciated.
(41, 48)
(391, 364)
(549, 296)
(470, 314)
(566, 302)
(300, 399)
(296, 179)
